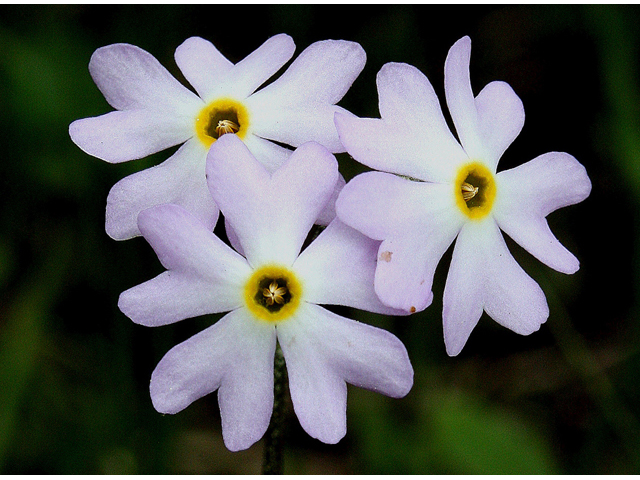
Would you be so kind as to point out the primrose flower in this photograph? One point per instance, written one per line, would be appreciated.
(460, 195)
(271, 295)
(154, 111)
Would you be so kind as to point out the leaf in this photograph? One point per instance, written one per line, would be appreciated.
(475, 437)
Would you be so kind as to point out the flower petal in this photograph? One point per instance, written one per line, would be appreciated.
(382, 146)
(255, 69)
(327, 215)
(382, 205)
(404, 273)
(305, 185)
(185, 244)
(513, 298)
(202, 64)
(131, 78)
(296, 124)
(546, 183)
(484, 274)
(233, 238)
(462, 105)
(531, 191)
(235, 355)
(322, 73)
(173, 296)
(179, 180)
(122, 136)
(463, 299)
(299, 106)
(409, 103)
(205, 275)
(375, 144)
(417, 222)
(271, 215)
(412, 138)
(269, 154)
(500, 119)
(338, 267)
(323, 351)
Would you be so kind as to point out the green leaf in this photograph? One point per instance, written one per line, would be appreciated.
(476, 437)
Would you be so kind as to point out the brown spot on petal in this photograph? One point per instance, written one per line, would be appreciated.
(386, 256)
(412, 309)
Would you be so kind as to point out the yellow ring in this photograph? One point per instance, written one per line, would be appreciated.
(221, 109)
(252, 290)
(477, 175)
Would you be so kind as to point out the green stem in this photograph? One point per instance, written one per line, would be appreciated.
(274, 438)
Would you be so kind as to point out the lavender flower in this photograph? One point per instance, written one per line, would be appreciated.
(458, 195)
(154, 111)
(272, 294)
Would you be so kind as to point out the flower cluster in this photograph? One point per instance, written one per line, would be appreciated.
(385, 230)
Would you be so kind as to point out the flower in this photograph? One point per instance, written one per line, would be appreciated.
(154, 111)
(271, 215)
(460, 195)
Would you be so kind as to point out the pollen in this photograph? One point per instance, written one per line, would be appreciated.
(226, 126)
(475, 190)
(469, 191)
(274, 294)
(222, 116)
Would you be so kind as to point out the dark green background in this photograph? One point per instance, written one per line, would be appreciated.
(74, 371)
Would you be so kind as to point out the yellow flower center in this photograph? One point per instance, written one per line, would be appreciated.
(272, 293)
(221, 116)
(475, 190)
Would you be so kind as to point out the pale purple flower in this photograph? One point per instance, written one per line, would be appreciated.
(272, 294)
(458, 195)
(154, 111)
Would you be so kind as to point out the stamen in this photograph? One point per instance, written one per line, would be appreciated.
(274, 294)
(468, 191)
(226, 126)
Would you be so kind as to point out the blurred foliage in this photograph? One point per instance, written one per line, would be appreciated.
(74, 371)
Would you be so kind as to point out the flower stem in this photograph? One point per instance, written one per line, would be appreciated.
(274, 438)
